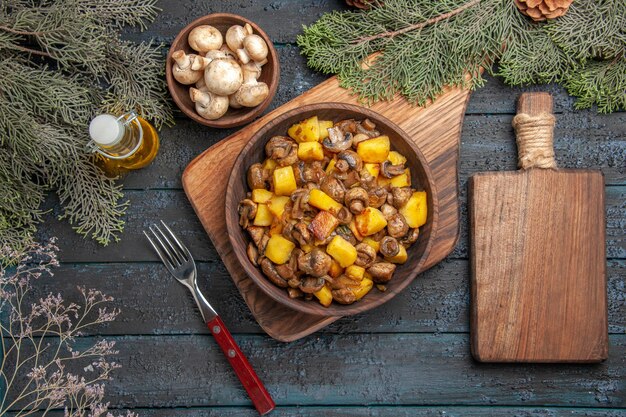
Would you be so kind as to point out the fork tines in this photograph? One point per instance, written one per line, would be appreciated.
(169, 248)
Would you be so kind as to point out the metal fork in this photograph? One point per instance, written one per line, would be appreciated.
(180, 264)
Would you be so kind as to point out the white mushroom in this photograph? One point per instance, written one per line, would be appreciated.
(205, 38)
(199, 63)
(223, 76)
(251, 93)
(182, 68)
(232, 102)
(208, 105)
(200, 84)
(235, 36)
(227, 51)
(256, 48)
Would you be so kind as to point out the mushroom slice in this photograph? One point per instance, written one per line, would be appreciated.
(294, 292)
(377, 197)
(381, 272)
(300, 198)
(388, 211)
(270, 272)
(367, 180)
(368, 125)
(400, 196)
(256, 233)
(300, 233)
(357, 200)
(388, 170)
(283, 150)
(256, 176)
(397, 225)
(315, 263)
(309, 285)
(285, 271)
(344, 296)
(411, 237)
(389, 246)
(247, 211)
(253, 254)
(334, 188)
(337, 141)
(352, 158)
(366, 255)
(344, 215)
(313, 172)
(347, 126)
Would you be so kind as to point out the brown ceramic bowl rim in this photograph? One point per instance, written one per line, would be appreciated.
(255, 273)
(224, 122)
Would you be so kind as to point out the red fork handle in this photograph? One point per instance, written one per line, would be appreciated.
(250, 380)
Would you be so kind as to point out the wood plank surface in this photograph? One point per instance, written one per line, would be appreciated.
(428, 320)
(391, 369)
(374, 411)
(582, 140)
(153, 303)
(173, 207)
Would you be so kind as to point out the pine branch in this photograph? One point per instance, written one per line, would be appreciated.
(422, 46)
(46, 104)
(602, 83)
(419, 25)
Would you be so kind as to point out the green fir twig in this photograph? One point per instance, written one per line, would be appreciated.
(421, 46)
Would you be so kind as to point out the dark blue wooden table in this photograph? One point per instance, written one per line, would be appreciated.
(410, 357)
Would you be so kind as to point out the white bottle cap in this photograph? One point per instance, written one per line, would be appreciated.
(106, 130)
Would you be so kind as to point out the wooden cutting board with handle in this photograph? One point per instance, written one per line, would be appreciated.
(538, 253)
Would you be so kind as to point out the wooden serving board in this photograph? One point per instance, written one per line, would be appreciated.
(538, 260)
(435, 128)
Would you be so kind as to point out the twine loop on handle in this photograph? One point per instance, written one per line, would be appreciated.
(535, 136)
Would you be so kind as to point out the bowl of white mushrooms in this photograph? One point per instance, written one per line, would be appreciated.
(222, 70)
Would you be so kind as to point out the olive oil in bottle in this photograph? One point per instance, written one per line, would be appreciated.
(122, 143)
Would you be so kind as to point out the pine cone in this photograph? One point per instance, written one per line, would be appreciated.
(364, 4)
(540, 10)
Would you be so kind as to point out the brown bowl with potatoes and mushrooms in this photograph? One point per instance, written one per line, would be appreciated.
(222, 70)
(330, 209)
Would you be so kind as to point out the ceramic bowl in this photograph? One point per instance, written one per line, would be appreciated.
(422, 179)
(234, 117)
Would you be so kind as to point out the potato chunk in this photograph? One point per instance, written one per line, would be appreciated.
(323, 225)
(324, 125)
(263, 216)
(321, 200)
(261, 195)
(284, 181)
(415, 211)
(310, 151)
(278, 249)
(396, 158)
(306, 131)
(355, 272)
(374, 150)
(365, 286)
(277, 204)
(373, 169)
(399, 181)
(324, 296)
(342, 251)
(370, 221)
(371, 242)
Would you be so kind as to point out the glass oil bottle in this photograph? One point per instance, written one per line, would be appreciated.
(122, 143)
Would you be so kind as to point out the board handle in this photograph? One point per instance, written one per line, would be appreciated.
(534, 131)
